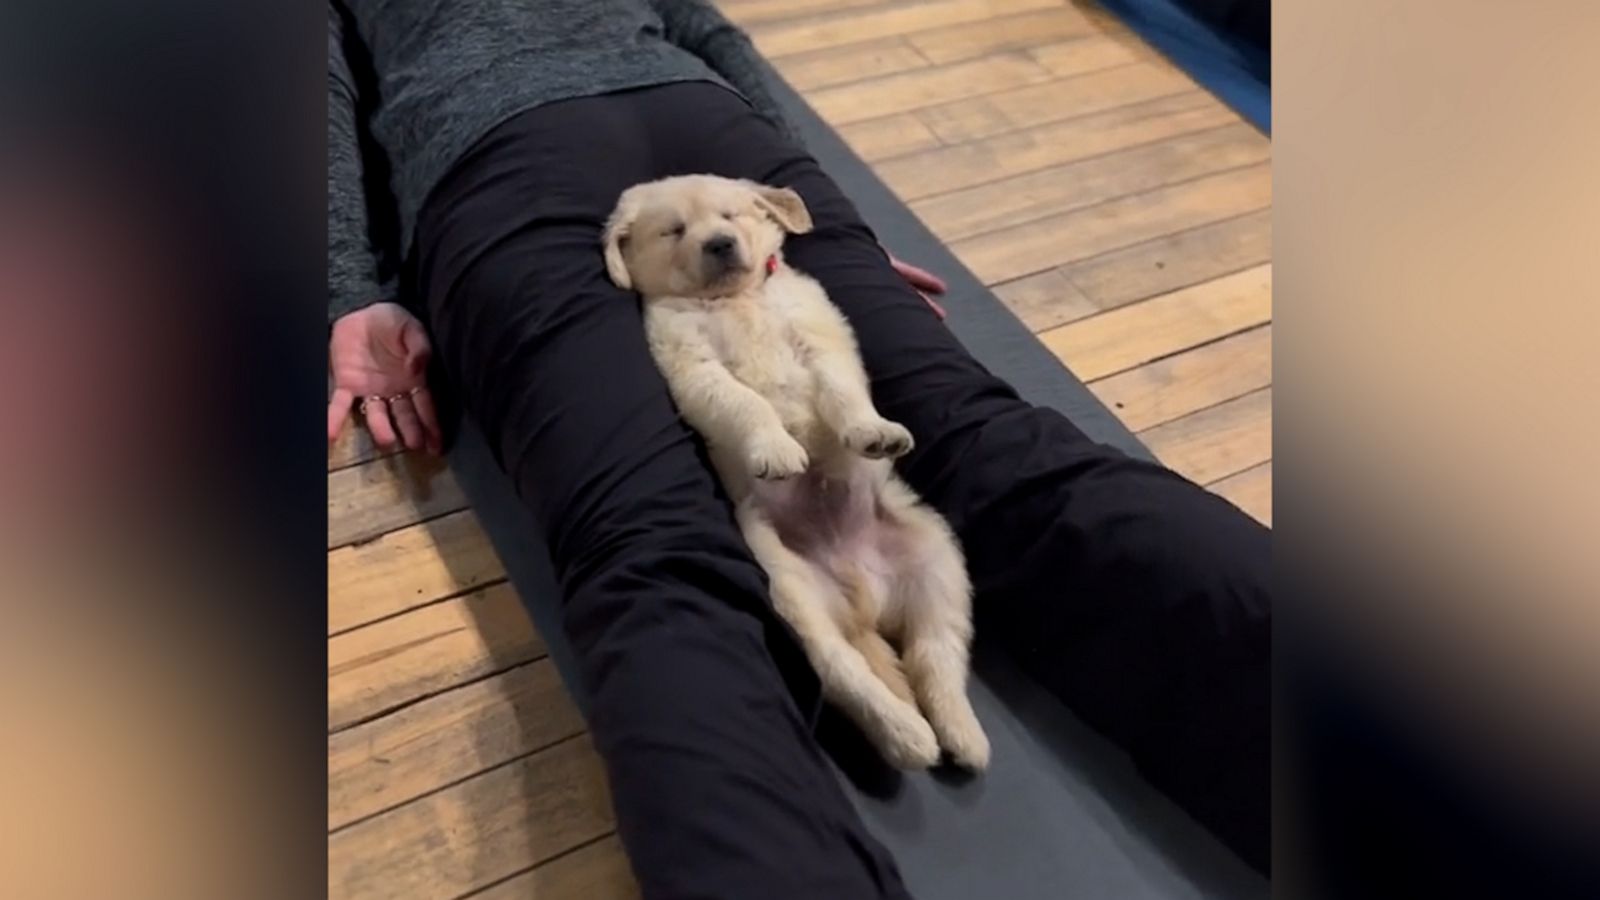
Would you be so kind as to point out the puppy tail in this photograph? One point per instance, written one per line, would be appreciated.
(862, 632)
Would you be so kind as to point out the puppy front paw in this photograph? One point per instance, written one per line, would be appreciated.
(878, 439)
(777, 456)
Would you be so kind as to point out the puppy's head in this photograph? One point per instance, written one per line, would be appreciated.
(699, 235)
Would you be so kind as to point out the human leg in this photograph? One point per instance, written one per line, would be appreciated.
(1136, 597)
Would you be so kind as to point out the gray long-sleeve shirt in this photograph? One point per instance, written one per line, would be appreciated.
(412, 84)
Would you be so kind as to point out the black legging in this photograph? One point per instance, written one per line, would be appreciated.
(1139, 599)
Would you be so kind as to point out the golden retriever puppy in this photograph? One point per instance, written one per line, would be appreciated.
(766, 369)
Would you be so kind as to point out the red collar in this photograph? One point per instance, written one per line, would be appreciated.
(772, 265)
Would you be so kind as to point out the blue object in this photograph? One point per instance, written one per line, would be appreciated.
(1235, 69)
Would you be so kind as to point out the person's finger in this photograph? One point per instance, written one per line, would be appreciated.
(405, 419)
(378, 422)
(338, 410)
(923, 279)
(422, 402)
(920, 278)
(916, 276)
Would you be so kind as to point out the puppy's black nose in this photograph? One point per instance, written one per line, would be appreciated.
(720, 247)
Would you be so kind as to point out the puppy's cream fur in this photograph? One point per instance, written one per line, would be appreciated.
(766, 368)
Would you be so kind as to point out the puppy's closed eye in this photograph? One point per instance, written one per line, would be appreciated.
(675, 231)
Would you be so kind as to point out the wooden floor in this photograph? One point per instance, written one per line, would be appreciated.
(1120, 212)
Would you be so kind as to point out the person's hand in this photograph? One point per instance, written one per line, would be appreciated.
(379, 357)
(920, 279)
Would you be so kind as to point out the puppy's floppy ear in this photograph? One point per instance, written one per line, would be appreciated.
(616, 234)
(784, 205)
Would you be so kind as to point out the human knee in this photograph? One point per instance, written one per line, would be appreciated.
(1191, 553)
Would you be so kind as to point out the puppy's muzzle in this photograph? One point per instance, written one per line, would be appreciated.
(722, 247)
(721, 256)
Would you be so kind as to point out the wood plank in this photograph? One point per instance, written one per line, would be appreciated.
(598, 871)
(1007, 253)
(1009, 202)
(1114, 341)
(1175, 386)
(387, 664)
(1174, 261)
(475, 833)
(396, 758)
(850, 63)
(1094, 52)
(1250, 490)
(748, 13)
(888, 137)
(877, 97)
(367, 500)
(865, 25)
(1217, 442)
(408, 568)
(1045, 300)
(943, 169)
(1052, 101)
(1020, 32)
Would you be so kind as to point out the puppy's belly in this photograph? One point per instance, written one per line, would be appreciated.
(833, 521)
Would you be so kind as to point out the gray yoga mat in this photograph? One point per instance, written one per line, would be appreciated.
(1060, 813)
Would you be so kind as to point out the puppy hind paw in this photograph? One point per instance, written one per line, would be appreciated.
(881, 439)
(968, 746)
(777, 457)
(908, 742)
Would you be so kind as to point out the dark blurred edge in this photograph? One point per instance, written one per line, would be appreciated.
(215, 113)
(1376, 800)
